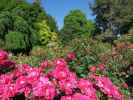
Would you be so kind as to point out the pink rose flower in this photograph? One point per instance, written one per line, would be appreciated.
(9, 91)
(86, 88)
(79, 96)
(71, 56)
(44, 87)
(3, 55)
(93, 69)
(106, 86)
(125, 85)
(66, 98)
(60, 62)
(60, 72)
(21, 82)
(33, 75)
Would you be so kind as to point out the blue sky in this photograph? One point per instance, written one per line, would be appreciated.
(60, 8)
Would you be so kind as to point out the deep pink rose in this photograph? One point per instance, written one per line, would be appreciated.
(7, 63)
(5, 79)
(60, 62)
(66, 98)
(71, 56)
(21, 82)
(3, 55)
(60, 72)
(33, 75)
(87, 88)
(106, 86)
(44, 87)
(79, 96)
(125, 85)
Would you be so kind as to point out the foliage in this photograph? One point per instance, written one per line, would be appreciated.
(7, 5)
(88, 53)
(51, 23)
(38, 51)
(126, 37)
(16, 41)
(100, 47)
(6, 64)
(51, 51)
(76, 25)
(121, 61)
(21, 16)
(31, 60)
(44, 33)
(6, 23)
(20, 25)
(130, 31)
(1, 44)
(115, 15)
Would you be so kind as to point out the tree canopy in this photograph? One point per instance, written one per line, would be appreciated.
(18, 17)
(76, 24)
(113, 15)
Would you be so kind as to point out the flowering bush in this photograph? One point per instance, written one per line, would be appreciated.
(34, 84)
(5, 63)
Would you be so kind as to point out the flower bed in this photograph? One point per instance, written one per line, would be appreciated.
(53, 80)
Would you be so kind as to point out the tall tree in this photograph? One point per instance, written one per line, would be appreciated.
(6, 23)
(52, 23)
(19, 17)
(113, 15)
(76, 25)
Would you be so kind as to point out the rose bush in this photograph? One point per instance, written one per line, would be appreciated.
(5, 63)
(60, 82)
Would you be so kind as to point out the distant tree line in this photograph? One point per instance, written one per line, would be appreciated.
(19, 28)
(24, 25)
(115, 16)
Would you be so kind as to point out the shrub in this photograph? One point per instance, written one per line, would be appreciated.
(31, 60)
(5, 64)
(38, 51)
(44, 33)
(50, 51)
(16, 41)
